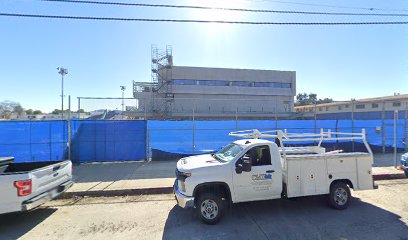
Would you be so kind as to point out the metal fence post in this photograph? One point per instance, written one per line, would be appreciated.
(383, 127)
(395, 137)
(276, 113)
(79, 107)
(236, 119)
(406, 127)
(148, 158)
(193, 129)
(315, 118)
(69, 127)
(352, 123)
(145, 110)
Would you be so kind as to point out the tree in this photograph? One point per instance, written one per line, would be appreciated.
(56, 111)
(36, 112)
(9, 107)
(309, 99)
(29, 111)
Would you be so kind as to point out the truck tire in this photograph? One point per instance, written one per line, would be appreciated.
(339, 197)
(209, 207)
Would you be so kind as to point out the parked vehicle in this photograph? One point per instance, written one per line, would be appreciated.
(404, 163)
(256, 169)
(25, 186)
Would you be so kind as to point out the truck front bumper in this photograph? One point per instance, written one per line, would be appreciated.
(45, 197)
(404, 163)
(182, 200)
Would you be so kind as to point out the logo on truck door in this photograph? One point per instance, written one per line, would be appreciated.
(261, 177)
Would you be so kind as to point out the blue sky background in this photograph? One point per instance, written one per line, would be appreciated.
(340, 62)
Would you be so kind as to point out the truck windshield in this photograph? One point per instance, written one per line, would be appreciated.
(228, 152)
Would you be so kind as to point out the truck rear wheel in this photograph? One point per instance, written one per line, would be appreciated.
(209, 208)
(339, 195)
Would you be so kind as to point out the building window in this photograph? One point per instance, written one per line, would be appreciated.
(212, 83)
(272, 84)
(263, 84)
(396, 104)
(241, 83)
(374, 105)
(360, 106)
(320, 109)
(339, 107)
(347, 106)
(327, 109)
(231, 83)
(184, 82)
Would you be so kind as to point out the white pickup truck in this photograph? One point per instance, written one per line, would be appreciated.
(255, 169)
(24, 186)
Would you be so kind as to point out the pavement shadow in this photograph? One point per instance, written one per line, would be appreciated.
(16, 225)
(299, 218)
(109, 172)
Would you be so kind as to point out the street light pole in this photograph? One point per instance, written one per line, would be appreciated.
(63, 72)
(123, 88)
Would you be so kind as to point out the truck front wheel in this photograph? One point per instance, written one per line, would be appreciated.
(209, 208)
(339, 195)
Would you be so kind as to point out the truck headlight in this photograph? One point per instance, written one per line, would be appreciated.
(187, 174)
(182, 175)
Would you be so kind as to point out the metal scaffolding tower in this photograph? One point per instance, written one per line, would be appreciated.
(162, 97)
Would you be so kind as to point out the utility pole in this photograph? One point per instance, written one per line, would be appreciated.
(63, 72)
(123, 88)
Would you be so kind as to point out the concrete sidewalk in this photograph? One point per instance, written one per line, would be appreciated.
(135, 178)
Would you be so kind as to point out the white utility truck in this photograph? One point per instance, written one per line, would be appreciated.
(24, 186)
(255, 169)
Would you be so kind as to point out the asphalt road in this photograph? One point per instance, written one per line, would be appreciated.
(374, 214)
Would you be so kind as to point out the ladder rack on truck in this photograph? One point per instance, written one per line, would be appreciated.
(285, 137)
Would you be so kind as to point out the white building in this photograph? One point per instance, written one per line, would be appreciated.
(217, 93)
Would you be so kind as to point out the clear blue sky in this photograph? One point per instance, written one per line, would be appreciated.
(339, 62)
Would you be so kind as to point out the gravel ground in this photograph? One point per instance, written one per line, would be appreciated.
(374, 214)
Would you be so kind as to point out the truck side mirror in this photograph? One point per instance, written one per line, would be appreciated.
(238, 168)
(246, 164)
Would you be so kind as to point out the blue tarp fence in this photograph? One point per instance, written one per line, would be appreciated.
(32, 141)
(97, 140)
(168, 139)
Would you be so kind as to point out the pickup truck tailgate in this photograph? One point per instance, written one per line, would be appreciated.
(50, 177)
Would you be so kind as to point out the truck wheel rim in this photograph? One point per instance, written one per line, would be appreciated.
(209, 209)
(340, 196)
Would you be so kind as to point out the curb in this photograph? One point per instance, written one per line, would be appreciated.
(119, 192)
(389, 176)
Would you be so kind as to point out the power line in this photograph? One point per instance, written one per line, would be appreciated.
(226, 9)
(192, 20)
(331, 6)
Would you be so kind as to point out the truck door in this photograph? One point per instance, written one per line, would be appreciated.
(264, 181)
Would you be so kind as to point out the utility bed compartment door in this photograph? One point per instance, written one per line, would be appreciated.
(306, 177)
(50, 177)
(341, 164)
(364, 173)
(293, 179)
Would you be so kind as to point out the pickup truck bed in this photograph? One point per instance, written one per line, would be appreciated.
(11, 168)
(24, 186)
